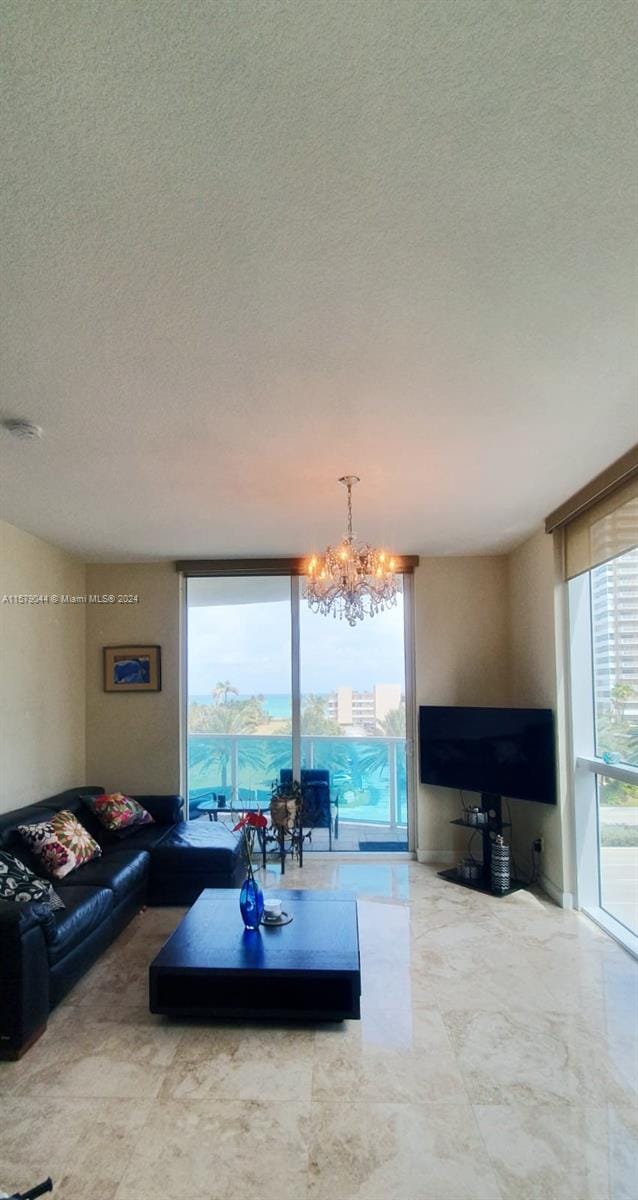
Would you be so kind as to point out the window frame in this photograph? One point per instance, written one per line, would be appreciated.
(588, 767)
(293, 569)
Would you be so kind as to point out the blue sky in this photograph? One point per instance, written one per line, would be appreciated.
(249, 644)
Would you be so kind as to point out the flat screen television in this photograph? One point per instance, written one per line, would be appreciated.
(500, 751)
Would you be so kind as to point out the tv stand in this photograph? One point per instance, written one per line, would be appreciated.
(494, 825)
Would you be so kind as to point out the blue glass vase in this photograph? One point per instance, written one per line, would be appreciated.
(251, 903)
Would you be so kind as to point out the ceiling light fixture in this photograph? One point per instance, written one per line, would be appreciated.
(351, 580)
(20, 428)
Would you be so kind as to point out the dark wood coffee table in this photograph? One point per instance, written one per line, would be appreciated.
(309, 970)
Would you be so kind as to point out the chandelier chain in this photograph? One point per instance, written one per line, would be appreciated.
(349, 485)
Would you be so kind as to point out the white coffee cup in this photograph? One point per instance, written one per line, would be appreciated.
(272, 909)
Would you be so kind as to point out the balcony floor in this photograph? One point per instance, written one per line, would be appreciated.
(353, 836)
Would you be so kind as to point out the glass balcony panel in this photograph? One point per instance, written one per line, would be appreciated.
(618, 863)
(367, 774)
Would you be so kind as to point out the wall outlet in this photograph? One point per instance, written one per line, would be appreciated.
(539, 845)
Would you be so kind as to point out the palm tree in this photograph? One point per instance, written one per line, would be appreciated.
(223, 721)
(199, 717)
(393, 724)
(255, 710)
(223, 690)
(621, 695)
(315, 719)
(278, 751)
(344, 758)
(632, 743)
(216, 752)
(610, 733)
(237, 717)
(374, 758)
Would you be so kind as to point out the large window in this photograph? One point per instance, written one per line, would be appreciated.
(239, 718)
(614, 612)
(614, 617)
(273, 687)
(353, 713)
(604, 653)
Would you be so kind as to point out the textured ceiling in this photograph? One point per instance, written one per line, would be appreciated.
(249, 246)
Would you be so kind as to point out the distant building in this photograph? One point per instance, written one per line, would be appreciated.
(615, 629)
(363, 710)
(615, 608)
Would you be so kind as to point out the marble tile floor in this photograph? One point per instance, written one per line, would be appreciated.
(496, 1059)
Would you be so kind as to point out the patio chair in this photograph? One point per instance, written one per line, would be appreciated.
(319, 810)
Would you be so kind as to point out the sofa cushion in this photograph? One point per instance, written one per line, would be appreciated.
(60, 844)
(198, 846)
(165, 810)
(123, 871)
(118, 813)
(10, 838)
(41, 811)
(143, 838)
(86, 908)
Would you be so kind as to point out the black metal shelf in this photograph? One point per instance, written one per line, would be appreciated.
(491, 826)
(479, 885)
(492, 805)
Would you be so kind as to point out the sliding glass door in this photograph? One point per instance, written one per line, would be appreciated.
(353, 721)
(239, 719)
(273, 687)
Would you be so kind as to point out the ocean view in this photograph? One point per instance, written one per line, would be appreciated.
(277, 705)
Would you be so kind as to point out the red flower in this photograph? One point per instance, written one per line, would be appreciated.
(56, 854)
(256, 819)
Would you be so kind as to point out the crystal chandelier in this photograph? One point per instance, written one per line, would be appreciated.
(351, 580)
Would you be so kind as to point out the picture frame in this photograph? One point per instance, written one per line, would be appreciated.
(132, 668)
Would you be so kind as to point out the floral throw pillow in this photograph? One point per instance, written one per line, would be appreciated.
(118, 813)
(17, 882)
(60, 844)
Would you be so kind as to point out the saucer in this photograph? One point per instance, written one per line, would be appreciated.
(273, 923)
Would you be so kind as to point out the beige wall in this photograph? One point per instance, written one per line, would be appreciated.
(486, 633)
(489, 631)
(41, 672)
(536, 652)
(133, 740)
(461, 657)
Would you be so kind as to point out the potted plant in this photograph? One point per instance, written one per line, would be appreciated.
(285, 805)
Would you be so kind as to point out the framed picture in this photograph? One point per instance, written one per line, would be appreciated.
(132, 669)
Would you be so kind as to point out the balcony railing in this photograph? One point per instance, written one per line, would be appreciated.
(368, 775)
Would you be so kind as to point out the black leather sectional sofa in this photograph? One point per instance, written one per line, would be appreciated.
(44, 953)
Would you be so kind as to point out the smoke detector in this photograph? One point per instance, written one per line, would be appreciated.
(27, 430)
